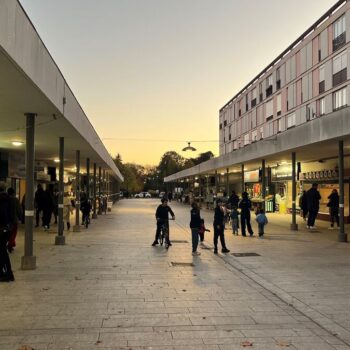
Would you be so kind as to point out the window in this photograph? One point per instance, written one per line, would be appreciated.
(269, 109)
(339, 33)
(254, 135)
(339, 99)
(260, 92)
(246, 139)
(262, 132)
(310, 114)
(220, 126)
(253, 103)
(269, 82)
(279, 125)
(279, 104)
(246, 103)
(321, 85)
(291, 120)
(340, 68)
(322, 106)
(278, 78)
(225, 122)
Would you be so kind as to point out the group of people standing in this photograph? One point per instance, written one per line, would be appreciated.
(309, 203)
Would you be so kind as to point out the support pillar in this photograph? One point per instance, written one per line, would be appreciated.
(94, 214)
(263, 183)
(294, 225)
(88, 177)
(28, 261)
(60, 238)
(99, 191)
(216, 182)
(228, 182)
(342, 236)
(76, 227)
(242, 178)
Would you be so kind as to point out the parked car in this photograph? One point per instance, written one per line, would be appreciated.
(142, 195)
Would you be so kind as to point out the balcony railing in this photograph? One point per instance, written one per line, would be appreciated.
(340, 77)
(269, 91)
(339, 41)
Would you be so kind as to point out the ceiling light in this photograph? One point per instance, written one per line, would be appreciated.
(284, 162)
(56, 160)
(17, 143)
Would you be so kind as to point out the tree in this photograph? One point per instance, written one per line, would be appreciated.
(203, 157)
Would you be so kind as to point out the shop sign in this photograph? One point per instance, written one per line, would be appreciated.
(41, 176)
(320, 175)
(281, 174)
(251, 176)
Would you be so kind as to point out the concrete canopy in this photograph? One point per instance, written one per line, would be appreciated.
(32, 83)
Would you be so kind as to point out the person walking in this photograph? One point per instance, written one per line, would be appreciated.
(233, 200)
(333, 205)
(262, 221)
(6, 222)
(67, 209)
(245, 205)
(17, 216)
(39, 203)
(47, 208)
(55, 204)
(234, 220)
(303, 205)
(313, 205)
(195, 225)
(219, 228)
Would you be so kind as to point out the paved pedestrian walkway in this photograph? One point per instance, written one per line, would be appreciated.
(109, 289)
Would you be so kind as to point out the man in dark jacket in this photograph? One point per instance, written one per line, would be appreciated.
(219, 227)
(162, 216)
(333, 206)
(6, 222)
(17, 216)
(234, 200)
(313, 205)
(245, 205)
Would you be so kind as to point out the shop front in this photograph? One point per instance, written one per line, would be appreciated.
(327, 180)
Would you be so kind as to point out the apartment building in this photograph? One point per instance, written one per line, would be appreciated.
(308, 80)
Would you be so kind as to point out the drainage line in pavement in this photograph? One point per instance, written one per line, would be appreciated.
(240, 270)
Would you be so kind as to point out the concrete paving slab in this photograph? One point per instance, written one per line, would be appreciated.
(109, 289)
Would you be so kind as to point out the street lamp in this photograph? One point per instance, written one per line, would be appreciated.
(188, 148)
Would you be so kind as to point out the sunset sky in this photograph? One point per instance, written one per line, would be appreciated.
(152, 74)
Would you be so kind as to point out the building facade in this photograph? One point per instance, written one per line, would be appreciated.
(308, 80)
(288, 127)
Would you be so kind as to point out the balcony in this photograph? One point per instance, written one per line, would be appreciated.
(340, 77)
(339, 41)
(269, 91)
(321, 87)
(278, 84)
